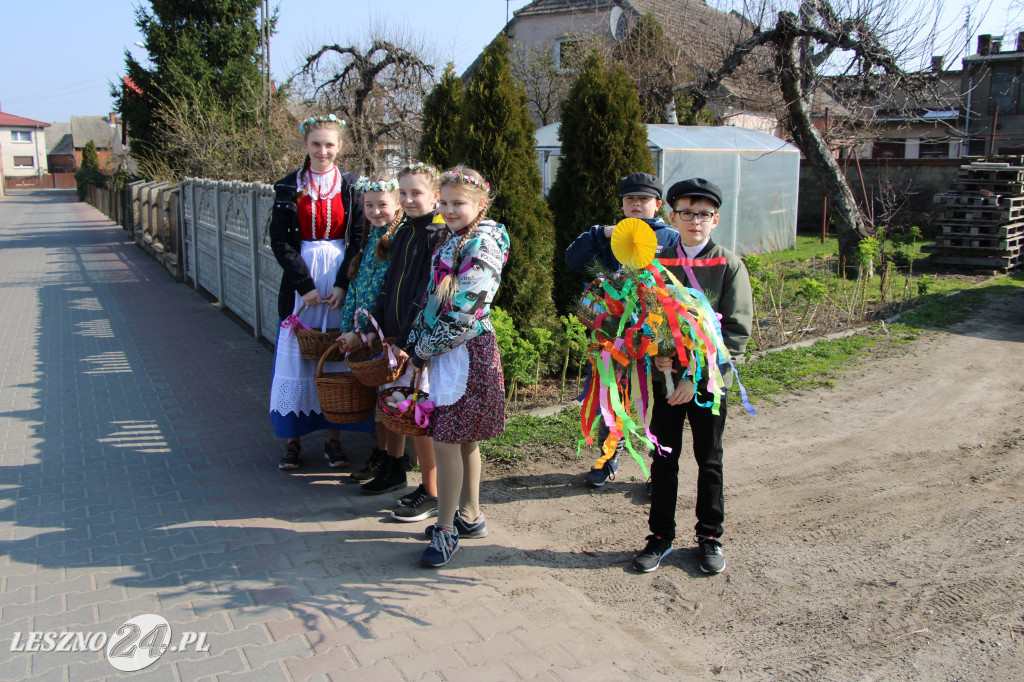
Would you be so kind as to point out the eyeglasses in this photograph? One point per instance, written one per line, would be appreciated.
(699, 216)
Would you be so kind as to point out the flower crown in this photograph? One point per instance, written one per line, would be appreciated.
(364, 184)
(320, 119)
(420, 167)
(463, 177)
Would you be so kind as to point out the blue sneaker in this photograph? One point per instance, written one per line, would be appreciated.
(466, 529)
(443, 544)
(596, 478)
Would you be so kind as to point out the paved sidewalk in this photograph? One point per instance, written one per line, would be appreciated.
(138, 476)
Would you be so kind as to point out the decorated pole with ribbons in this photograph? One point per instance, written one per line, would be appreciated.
(643, 310)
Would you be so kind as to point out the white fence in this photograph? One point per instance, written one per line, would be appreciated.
(225, 246)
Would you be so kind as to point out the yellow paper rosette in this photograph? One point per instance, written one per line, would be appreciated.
(634, 243)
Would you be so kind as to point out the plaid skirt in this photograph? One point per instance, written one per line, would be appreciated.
(480, 413)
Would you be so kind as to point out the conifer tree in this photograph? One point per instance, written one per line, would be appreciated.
(441, 111)
(89, 172)
(495, 137)
(199, 49)
(603, 139)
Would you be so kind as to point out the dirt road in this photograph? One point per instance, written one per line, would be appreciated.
(874, 530)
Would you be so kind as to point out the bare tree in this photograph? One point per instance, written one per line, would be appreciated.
(858, 51)
(378, 89)
(546, 84)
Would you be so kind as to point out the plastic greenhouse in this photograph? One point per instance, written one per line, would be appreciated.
(759, 175)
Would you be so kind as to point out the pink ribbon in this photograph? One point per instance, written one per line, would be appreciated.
(422, 412)
(392, 360)
(292, 322)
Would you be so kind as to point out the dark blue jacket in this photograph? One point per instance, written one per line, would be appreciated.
(592, 245)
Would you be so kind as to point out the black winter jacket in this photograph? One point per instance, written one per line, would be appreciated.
(286, 243)
(405, 287)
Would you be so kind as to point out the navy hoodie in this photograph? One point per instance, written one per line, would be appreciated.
(593, 245)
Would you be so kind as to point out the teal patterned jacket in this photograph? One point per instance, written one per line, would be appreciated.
(362, 292)
(439, 328)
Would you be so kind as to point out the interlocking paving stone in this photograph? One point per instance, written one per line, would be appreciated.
(139, 474)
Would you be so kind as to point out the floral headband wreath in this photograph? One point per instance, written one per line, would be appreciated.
(420, 167)
(364, 185)
(312, 120)
(469, 179)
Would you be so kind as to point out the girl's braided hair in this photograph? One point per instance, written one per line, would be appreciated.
(381, 254)
(473, 185)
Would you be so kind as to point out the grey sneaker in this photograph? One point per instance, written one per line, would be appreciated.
(466, 529)
(711, 559)
(423, 506)
(649, 559)
(443, 544)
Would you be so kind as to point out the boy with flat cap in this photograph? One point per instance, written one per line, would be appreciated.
(641, 198)
(699, 264)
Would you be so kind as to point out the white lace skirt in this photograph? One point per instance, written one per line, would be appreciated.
(293, 391)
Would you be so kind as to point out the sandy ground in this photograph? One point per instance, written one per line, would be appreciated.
(875, 530)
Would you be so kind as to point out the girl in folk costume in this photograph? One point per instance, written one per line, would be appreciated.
(314, 221)
(454, 337)
(367, 270)
(401, 298)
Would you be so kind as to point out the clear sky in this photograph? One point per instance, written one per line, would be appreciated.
(59, 57)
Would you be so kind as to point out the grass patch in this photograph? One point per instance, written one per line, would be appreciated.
(939, 310)
(560, 428)
(811, 366)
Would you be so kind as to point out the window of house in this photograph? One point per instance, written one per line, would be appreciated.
(24, 162)
(934, 150)
(889, 149)
(1002, 87)
(21, 135)
(567, 54)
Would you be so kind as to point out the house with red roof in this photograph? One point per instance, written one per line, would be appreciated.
(22, 146)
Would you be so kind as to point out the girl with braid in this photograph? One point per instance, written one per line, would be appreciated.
(367, 271)
(400, 298)
(314, 227)
(454, 338)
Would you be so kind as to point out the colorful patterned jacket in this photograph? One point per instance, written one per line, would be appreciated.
(363, 290)
(439, 328)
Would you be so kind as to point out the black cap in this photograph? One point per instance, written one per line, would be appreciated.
(695, 187)
(640, 185)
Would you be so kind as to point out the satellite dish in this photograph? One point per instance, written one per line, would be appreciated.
(616, 22)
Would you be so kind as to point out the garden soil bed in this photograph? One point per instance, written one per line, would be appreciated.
(873, 532)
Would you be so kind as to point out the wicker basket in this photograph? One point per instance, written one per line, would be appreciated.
(343, 400)
(313, 343)
(402, 423)
(371, 366)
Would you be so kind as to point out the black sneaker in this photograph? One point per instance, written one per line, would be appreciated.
(406, 500)
(290, 461)
(596, 478)
(391, 476)
(333, 454)
(372, 467)
(650, 558)
(711, 559)
(423, 506)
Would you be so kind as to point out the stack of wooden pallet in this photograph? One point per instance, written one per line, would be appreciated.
(982, 218)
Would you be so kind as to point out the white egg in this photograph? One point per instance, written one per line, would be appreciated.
(397, 396)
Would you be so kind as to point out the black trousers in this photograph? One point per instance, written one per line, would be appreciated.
(667, 425)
